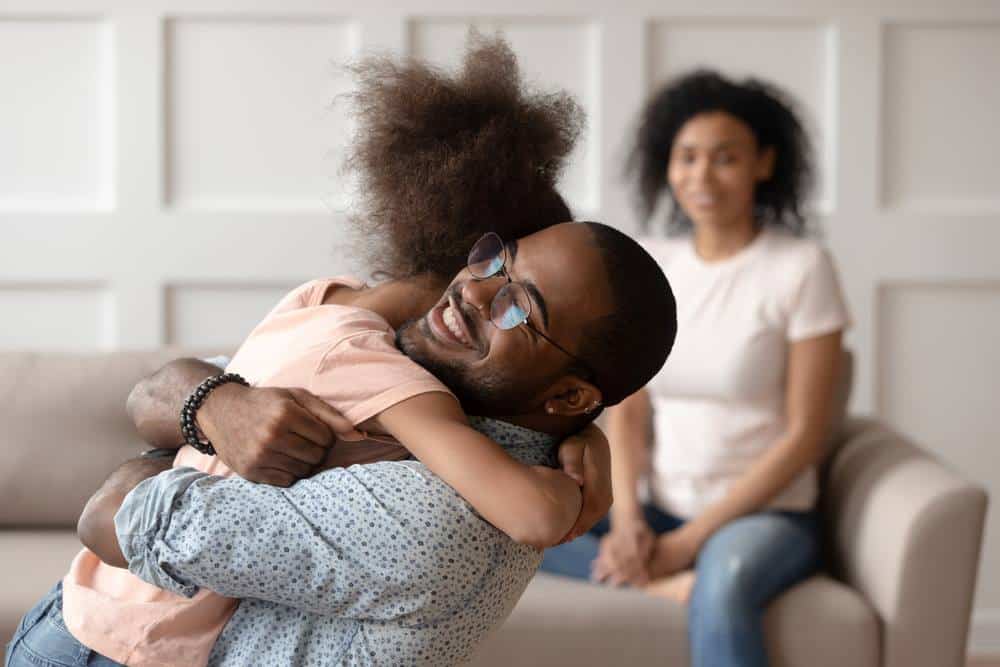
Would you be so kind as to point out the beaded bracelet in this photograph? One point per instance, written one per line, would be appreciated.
(189, 427)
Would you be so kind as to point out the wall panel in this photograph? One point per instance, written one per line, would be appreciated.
(940, 117)
(252, 116)
(55, 119)
(55, 316)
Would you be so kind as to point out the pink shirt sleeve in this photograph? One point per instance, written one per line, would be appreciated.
(311, 294)
(364, 374)
(345, 355)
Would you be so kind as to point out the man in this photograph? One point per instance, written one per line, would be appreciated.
(384, 563)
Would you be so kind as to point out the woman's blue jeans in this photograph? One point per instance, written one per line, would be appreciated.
(739, 570)
(42, 640)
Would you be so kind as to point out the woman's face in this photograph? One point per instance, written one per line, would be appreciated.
(714, 168)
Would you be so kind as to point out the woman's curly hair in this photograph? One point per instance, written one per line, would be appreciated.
(442, 159)
(770, 115)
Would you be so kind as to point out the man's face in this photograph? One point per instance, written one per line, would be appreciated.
(505, 373)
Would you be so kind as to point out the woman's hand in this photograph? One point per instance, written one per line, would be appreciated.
(586, 458)
(674, 552)
(269, 435)
(624, 553)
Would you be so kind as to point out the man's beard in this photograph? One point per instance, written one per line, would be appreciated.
(487, 393)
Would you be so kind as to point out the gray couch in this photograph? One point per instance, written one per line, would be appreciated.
(904, 538)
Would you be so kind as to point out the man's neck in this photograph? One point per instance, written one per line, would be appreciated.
(558, 427)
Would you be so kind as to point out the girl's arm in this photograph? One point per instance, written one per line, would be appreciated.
(813, 366)
(534, 505)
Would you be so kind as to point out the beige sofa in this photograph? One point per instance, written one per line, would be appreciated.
(904, 538)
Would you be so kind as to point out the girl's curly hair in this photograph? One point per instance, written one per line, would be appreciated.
(770, 115)
(442, 159)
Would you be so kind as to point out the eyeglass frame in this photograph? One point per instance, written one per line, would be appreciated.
(502, 270)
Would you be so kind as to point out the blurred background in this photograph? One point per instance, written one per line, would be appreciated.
(168, 170)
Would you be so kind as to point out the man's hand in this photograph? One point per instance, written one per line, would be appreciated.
(269, 435)
(624, 554)
(586, 458)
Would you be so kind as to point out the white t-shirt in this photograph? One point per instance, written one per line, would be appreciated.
(719, 401)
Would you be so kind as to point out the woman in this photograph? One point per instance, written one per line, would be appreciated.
(740, 413)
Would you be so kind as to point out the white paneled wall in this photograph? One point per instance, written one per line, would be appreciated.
(169, 169)
(56, 124)
(250, 123)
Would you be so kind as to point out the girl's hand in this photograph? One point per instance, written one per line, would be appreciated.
(586, 458)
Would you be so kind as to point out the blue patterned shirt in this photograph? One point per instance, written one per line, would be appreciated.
(377, 564)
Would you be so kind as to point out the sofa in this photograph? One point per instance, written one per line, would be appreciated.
(903, 538)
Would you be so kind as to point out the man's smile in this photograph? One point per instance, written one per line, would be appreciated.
(448, 323)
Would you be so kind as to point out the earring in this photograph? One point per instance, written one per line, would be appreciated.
(549, 409)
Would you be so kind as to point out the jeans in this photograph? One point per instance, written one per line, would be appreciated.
(739, 570)
(42, 640)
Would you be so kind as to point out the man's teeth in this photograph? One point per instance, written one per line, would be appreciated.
(451, 321)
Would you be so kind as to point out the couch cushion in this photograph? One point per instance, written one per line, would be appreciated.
(32, 563)
(63, 428)
(820, 623)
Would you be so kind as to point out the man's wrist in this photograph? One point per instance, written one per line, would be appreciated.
(215, 405)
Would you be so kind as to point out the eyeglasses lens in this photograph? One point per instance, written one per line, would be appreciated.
(510, 307)
(487, 257)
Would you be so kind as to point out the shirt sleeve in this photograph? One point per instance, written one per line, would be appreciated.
(818, 305)
(311, 294)
(365, 374)
(386, 541)
(221, 361)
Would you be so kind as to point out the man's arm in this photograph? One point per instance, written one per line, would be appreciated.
(155, 402)
(267, 435)
(382, 541)
(96, 527)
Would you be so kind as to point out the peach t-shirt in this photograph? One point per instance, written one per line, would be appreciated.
(343, 354)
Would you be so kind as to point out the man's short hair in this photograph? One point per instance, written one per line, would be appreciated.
(629, 346)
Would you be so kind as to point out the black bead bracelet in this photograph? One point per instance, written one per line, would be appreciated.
(189, 428)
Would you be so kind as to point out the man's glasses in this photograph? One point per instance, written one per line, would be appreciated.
(511, 305)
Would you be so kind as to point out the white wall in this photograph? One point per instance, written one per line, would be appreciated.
(167, 170)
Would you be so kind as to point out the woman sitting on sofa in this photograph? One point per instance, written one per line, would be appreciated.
(740, 413)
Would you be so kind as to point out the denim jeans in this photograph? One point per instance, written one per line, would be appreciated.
(739, 570)
(42, 640)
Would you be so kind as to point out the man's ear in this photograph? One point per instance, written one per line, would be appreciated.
(571, 396)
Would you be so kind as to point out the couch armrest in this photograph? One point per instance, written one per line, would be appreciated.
(906, 532)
